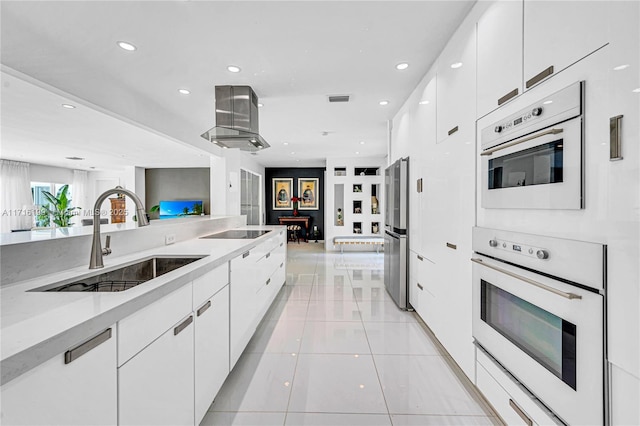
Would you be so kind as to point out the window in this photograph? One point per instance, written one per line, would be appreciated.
(42, 219)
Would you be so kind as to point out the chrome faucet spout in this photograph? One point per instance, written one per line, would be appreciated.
(95, 261)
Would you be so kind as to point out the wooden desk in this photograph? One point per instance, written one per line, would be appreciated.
(283, 220)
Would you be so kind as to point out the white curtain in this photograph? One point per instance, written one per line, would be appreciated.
(16, 203)
(80, 196)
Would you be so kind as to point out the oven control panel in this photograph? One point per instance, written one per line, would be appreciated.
(548, 111)
(535, 112)
(523, 249)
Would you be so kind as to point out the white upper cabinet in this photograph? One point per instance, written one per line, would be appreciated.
(456, 88)
(560, 33)
(499, 55)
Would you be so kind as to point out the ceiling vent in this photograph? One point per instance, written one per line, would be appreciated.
(339, 98)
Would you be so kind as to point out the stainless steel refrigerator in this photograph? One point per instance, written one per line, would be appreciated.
(396, 268)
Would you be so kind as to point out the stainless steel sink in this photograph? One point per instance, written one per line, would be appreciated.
(126, 277)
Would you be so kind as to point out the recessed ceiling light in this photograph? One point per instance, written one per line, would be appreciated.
(68, 106)
(423, 102)
(547, 102)
(456, 65)
(621, 67)
(184, 91)
(383, 103)
(285, 143)
(260, 105)
(74, 158)
(636, 90)
(402, 66)
(127, 46)
(361, 142)
(293, 152)
(233, 68)
(357, 152)
(297, 160)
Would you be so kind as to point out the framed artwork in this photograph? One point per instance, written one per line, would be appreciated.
(308, 193)
(282, 193)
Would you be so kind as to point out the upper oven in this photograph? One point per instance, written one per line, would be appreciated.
(533, 159)
(538, 309)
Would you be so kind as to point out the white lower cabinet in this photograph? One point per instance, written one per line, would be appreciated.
(513, 404)
(80, 392)
(211, 350)
(256, 277)
(156, 386)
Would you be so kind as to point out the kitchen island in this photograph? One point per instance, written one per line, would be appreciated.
(155, 324)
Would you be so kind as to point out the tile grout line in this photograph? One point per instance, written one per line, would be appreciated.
(375, 366)
(295, 368)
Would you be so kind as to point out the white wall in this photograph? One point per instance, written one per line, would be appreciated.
(46, 174)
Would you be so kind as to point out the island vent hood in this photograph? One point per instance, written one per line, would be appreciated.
(236, 119)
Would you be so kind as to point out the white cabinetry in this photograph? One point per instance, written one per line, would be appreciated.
(499, 55)
(80, 392)
(251, 272)
(456, 87)
(211, 350)
(156, 385)
(560, 33)
(211, 339)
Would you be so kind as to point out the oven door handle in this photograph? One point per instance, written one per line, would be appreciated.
(529, 281)
(519, 141)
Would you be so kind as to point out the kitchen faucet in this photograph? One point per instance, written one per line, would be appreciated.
(97, 251)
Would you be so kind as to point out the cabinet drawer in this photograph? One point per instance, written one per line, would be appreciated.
(209, 284)
(80, 392)
(500, 389)
(140, 329)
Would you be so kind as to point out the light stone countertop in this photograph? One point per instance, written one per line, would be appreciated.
(37, 326)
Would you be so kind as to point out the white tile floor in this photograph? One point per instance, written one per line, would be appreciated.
(335, 350)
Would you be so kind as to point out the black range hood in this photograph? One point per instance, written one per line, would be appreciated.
(236, 119)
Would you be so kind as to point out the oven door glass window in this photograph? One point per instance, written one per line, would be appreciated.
(548, 339)
(534, 166)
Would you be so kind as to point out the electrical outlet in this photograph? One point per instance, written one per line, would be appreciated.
(169, 239)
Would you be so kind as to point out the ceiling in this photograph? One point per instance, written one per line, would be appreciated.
(293, 54)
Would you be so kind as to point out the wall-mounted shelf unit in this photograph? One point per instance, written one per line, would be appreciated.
(356, 187)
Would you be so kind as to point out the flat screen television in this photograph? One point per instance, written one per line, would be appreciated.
(180, 208)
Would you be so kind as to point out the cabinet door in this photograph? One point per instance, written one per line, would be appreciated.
(414, 290)
(156, 386)
(211, 350)
(81, 392)
(246, 280)
(456, 87)
(560, 33)
(499, 55)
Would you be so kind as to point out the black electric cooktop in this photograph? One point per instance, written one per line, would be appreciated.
(236, 234)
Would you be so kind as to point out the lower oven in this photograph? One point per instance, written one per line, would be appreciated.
(538, 309)
(533, 159)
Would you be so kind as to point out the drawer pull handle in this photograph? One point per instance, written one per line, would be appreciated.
(282, 264)
(245, 254)
(281, 244)
(268, 255)
(268, 281)
(540, 76)
(420, 286)
(520, 413)
(615, 138)
(508, 96)
(204, 308)
(420, 258)
(452, 131)
(452, 246)
(519, 141)
(569, 296)
(183, 325)
(419, 185)
(75, 353)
